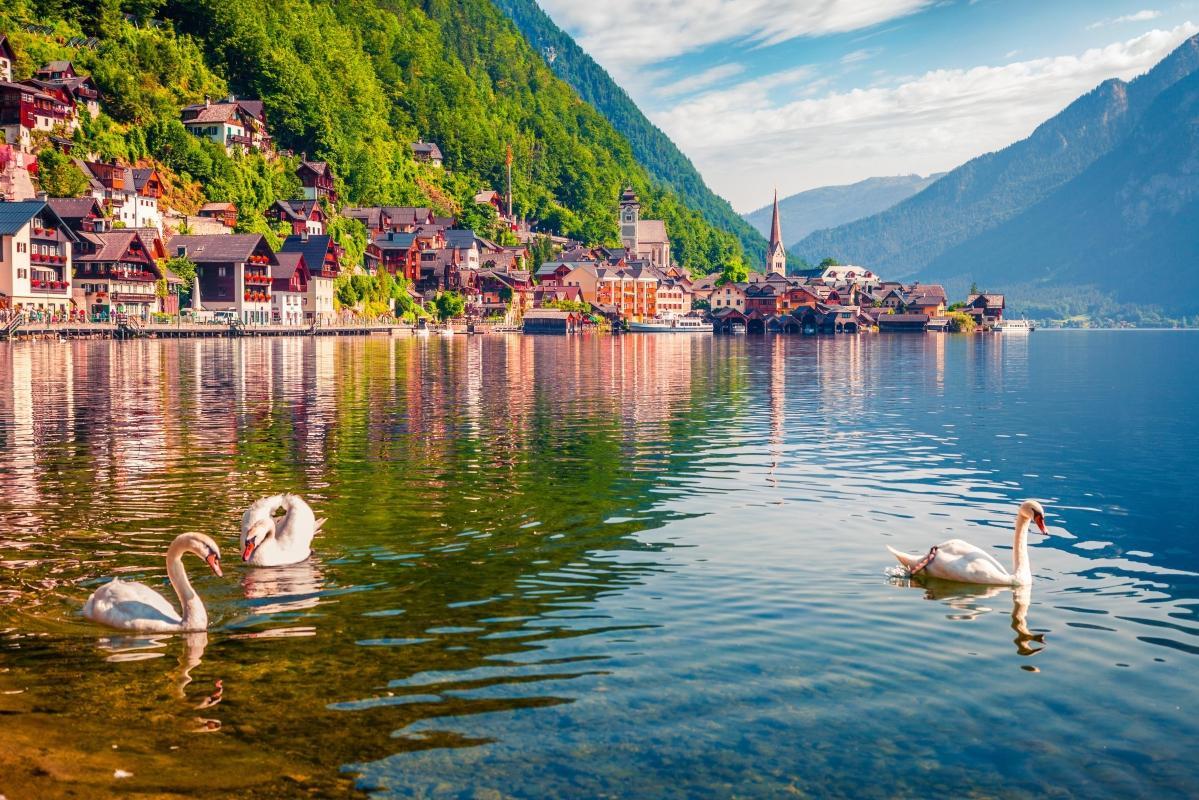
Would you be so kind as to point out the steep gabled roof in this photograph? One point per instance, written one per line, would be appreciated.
(14, 216)
(75, 209)
(314, 248)
(218, 247)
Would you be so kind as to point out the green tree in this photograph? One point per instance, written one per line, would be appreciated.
(829, 262)
(961, 323)
(734, 271)
(58, 176)
(450, 305)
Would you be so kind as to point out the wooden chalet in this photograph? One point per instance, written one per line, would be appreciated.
(317, 179)
(552, 320)
(234, 272)
(987, 309)
(304, 216)
(224, 213)
(115, 273)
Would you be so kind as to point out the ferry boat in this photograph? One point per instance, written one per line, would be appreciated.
(1014, 326)
(671, 325)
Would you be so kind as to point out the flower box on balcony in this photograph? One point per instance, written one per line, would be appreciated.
(36, 283)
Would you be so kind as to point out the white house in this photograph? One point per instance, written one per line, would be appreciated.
(35, 258)
(289, 287)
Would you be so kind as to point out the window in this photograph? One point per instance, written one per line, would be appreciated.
(220, 272)
(22, 247)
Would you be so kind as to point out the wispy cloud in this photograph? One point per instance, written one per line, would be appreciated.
(626, 35)
(1144, 15)
(701, 80)
(769, 129)
(857, 56)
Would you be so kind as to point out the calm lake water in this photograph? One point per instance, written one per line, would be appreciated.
(607, 567)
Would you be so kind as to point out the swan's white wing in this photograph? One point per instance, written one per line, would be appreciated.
(131, 606)
(958, 560)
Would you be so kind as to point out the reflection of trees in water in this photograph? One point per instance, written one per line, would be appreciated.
(469, 485)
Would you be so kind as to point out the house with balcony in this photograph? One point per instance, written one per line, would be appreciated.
(234, 272)
(116, 273)
(80, 213)
(35, 258)
(304, 216)
(323, 262)
(236, 125)
(26, 108)
(80, 89)
(126, 194)
(317, 179)
(289, 288)
(400, 219)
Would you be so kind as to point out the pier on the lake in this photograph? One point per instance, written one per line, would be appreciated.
(184, 330)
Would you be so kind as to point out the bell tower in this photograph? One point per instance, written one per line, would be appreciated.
(776, 253)
(630, 215)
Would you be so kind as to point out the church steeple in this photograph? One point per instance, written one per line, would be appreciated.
(776, 254)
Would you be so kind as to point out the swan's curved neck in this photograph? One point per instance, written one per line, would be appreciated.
(192, 611)
(1020, 568)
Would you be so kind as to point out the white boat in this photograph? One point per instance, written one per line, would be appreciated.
(737, 329)
(1014, 326)
(671, 325)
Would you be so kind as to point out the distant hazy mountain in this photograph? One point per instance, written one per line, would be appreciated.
(653, 148)
(984, 193)
(830, 206)
(1122, 235)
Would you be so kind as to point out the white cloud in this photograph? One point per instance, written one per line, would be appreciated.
(1141, 16)
(700, 80)
(856, 56)
(769, 130)
(625, 35)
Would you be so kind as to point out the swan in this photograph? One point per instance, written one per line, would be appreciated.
(136, 607)
(270, 542)
(956, 560)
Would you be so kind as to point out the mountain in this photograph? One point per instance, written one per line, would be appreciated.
(830, 206)
(1119, 240)
(987, 191)
(651, 146)
(354, 83)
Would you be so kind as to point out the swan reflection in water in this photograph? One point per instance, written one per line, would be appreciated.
(288, 591)
(295, 587)
(141, 648)
(965, 599)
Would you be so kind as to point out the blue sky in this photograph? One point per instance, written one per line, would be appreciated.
(810, 93)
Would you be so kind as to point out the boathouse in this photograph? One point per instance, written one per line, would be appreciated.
(550, 320)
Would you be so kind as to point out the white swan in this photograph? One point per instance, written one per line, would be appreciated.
(956, 560)
(270, 542)
(136, 607)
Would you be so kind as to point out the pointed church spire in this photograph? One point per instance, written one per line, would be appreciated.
(776, 253)
(776, 230)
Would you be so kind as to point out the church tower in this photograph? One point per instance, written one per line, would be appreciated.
(630, 215)
(776, 254)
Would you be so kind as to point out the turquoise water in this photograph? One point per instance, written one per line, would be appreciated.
(607, 566)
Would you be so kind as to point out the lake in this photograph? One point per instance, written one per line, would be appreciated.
(635, 566)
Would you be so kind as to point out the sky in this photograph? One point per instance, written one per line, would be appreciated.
(797, 94)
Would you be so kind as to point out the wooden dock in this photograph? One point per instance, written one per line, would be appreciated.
(124, 330)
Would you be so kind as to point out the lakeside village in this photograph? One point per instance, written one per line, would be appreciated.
(115, 261)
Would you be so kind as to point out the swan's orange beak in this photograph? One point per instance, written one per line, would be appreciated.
(214, 563)
(249, 549)
(1040, 520)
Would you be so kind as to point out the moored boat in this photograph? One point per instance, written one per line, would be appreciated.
(671, 325)
(1014, 326)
